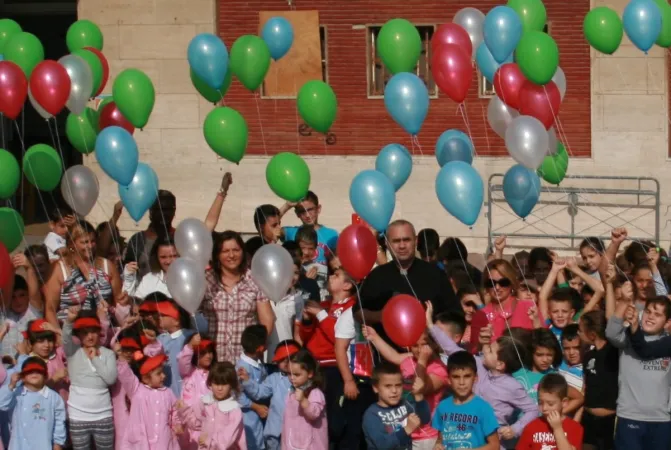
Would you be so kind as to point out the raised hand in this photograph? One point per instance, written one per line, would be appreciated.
(619, 235)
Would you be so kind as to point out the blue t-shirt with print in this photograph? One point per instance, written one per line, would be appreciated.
(530, 381)
(464, 426)
(327, 239)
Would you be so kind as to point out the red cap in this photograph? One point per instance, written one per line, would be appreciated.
(33, 367)
(152, 363)
(86, 322)
(285, 351)
(144, 340)
(37, 325)
(168, 309)
(128, 342)
(205, 344)
(148, 306)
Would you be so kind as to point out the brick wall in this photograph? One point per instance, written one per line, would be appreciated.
(363, 125)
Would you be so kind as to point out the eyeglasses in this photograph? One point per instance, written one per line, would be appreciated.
(503, 282)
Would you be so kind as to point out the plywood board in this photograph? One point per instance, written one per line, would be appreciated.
(303, 62)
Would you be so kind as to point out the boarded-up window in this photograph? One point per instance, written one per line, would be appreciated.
(304, 61)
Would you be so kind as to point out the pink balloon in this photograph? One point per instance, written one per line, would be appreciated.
(508, 81)
(452, 71)
(50, 85)
(13, 89)
(541, 102)
(452, 33)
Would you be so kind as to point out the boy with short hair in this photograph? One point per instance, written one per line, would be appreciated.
(55, 240)
(267, 224)
(20, 311)
(389, 423)
(572, 351)
(307, 240)
(553, 430)
(560, 311)
(465, 420)
(453, 324)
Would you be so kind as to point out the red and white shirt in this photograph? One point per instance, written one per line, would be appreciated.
(539, 436)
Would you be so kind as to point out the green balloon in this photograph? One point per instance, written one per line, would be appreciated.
(250, 60)
(134, 95)
(317, 105)
(399, 45)
(84, 33)
(10, 174)
(537, 56)
(8, 28)
(42, 167)
(96, 67)
(531, 12)
(226, 133)
(553, 169)
(25, 50)
(82, 130)
(209, 94)
(11, 228)
(288, 176)
(603, 29)
(664, 38)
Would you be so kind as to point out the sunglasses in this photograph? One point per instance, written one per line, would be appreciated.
(503, 282)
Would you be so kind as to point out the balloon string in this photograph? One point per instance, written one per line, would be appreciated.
(258, 113)
(484, 122)
(403, 271)
(416, 142)
(298, 136)
(464, 115)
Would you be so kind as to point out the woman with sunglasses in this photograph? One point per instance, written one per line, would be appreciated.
(504, 310)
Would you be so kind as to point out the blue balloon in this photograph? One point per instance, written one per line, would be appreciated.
(373, 198)
(407, 100)
(521, 189)
(642, 21)
(502, 30)
(454, 145)
(461, 191)
(486, 62)
(395, 162)
(2, 57)
(208, 58)
(278, 34)
(117, 154)
(141, 193)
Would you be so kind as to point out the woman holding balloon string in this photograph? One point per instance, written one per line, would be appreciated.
(162, 254)
(232, 299)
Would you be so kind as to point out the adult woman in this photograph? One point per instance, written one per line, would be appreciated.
(504, 310)
(232, 300)
(79, 279)
(162, 254)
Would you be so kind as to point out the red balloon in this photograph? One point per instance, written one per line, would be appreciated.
(110, 116)
(508, 81)
(452, 71)
(50, 86)
(541, 102)
(13, 89)
(106, 68)
(6, 266)
(403, 320)
(452, 33)
(357, 251)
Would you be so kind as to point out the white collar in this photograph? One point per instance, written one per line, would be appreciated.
(44, 392)
(224, 405)
(176, 334)
(248, 360)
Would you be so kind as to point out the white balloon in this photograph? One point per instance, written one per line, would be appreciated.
(552, 141)
(193, 240)
(560, 80)
(80, 189)
(273, 271)
(527, 141)
(500, 115)
(81, 82)
(186, 283)
(471, 20)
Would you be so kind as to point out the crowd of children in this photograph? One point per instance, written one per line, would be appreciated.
(534, 351)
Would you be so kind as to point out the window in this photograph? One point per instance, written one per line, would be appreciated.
(378, 75)
(485, 88)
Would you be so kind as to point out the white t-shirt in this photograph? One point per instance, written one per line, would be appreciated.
(285, 316)
(347, 328)
(53, 242)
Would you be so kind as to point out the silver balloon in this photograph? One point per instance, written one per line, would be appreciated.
(500, 115)
(471, 20)
(273, 271)
(560, 80)
(80, 189)
(41, 111)
(527, 141)
(81, 81)
(193, 240)
(552, 141)
(186, 283)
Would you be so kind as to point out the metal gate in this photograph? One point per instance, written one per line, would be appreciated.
(580, 207)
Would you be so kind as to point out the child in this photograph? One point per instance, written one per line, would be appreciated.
(253, 340)
(528, 289)
(304, 424)
(424, 362)
(148, 308)
(42, 338)
(643, 399)
(172, 339)
(553, 429)
(38, 418)
(19, 309)
(560, 311)
(465, 420)
(55, 240)
(277, 387)
(390, 423)
(454, 325)
(592, 252)
(216, 418)
(92, 370)
(307, 239)
(153, 418)
(194, 363)
(572, 350)
(470, 300)
(601, 366)
(495, 383)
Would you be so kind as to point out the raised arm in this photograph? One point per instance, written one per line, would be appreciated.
(52, 294)
(386, 351)
(212, 218)
(548, 286)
